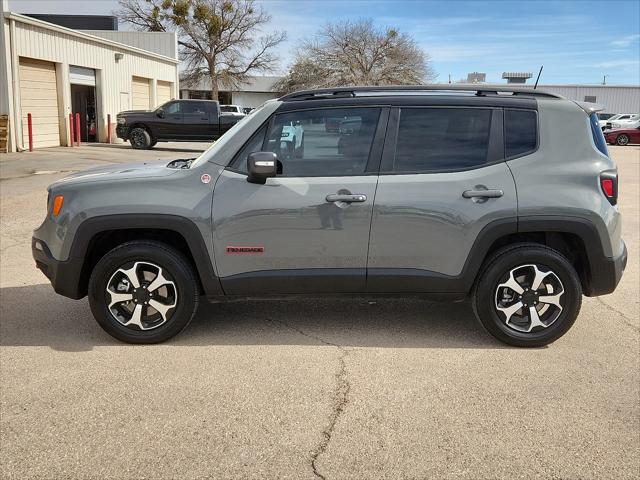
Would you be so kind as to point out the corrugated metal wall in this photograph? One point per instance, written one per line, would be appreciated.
(113, 76)
(615, 99)
(162, 43)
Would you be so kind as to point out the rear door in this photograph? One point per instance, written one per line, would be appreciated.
(307, 229)
(196, 120)
(443, 179)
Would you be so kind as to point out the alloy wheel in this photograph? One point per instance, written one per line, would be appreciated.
(141, 295)
(530, 299)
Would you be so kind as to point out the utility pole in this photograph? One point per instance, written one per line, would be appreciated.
(604, 80)
(449, 78)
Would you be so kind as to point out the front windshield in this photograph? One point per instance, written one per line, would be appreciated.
(219, 144)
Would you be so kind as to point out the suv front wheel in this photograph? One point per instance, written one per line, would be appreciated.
(527, 295)
(140, 139)
(143, 292)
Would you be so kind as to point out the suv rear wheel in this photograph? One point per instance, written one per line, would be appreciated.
(527, 295)
(143, 292)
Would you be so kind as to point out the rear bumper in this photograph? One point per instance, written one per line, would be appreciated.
(64, 276)
(606, 274)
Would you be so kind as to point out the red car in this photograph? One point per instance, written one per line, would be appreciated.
(622, 136)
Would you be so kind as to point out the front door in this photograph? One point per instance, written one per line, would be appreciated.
(307, 229)
(168, 124)
(442, 182)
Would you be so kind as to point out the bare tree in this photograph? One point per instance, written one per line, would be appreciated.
(358, 53)
(217, 38)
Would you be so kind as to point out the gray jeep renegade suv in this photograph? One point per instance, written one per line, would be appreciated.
(504, 195)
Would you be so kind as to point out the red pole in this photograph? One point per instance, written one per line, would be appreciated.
(30, 127)
(71, 135)
(108, 128)
(77, 129)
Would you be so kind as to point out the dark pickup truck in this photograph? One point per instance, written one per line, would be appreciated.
(174, 121)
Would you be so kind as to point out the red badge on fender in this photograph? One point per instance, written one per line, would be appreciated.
(206, 178)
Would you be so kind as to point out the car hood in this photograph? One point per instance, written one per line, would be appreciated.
(136, 112)
(119, 172)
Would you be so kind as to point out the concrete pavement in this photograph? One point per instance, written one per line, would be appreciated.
(306, 389)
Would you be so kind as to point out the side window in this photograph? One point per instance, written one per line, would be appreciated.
(254, 144)
(520, 131)
(598, 136)
(442, 139)
(172, 108)
(323, 142)
(194, 108)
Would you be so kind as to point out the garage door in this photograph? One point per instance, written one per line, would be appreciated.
(39, 97)
(140, 97)
(163, 92)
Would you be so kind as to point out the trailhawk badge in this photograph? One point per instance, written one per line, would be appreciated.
(232, 249)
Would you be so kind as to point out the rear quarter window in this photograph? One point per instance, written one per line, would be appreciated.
(598, 136)
(520, 132)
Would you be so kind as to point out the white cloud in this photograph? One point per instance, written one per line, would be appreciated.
(618, 63)
(625, 41)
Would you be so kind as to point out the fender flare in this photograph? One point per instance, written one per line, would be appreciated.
(89, 228)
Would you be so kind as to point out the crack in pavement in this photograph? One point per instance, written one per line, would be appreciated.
(340, 395)
(625, 320)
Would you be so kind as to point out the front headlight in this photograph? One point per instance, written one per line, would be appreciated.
(121, 120)
(285, 134)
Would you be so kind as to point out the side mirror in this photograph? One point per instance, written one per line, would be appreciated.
(160, 113)
(261, 165)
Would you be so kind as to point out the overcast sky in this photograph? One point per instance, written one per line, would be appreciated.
(577, 41)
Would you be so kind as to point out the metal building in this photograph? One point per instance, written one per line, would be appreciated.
(253, 93)
(614, 98)
(50, 71)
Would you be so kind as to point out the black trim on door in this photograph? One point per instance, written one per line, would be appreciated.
(295, 281)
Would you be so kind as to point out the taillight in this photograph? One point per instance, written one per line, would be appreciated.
(609, 186)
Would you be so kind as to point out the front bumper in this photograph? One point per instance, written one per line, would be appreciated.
(64, 276)
(606, 274)
(122, 131)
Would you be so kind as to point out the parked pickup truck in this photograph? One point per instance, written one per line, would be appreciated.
(174, 121)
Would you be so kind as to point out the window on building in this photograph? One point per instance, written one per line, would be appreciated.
(590, 98)
(442, 139)
(521, 132)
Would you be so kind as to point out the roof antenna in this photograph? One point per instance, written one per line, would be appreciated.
(537, 79)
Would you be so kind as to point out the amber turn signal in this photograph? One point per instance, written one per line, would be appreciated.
(57, 205)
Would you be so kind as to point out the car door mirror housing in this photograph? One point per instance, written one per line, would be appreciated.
(261, 165)
(160, 113)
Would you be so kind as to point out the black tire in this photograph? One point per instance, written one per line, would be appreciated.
(497, 270)
(622, 140)
(174, 268)
(140, 139)
(153, 143)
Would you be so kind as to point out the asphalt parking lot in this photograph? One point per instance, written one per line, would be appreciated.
(305, 389)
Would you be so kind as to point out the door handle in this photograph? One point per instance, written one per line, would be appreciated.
(346, 198)
(482, 193)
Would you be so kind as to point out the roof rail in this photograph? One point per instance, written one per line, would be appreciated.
(479, 90)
